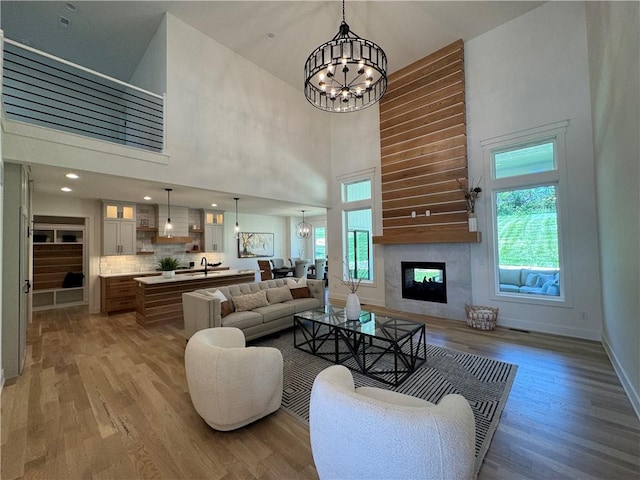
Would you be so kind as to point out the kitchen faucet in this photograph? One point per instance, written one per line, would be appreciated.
(205, 263)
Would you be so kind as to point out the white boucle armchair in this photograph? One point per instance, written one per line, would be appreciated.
(232, 385)
(371, 433)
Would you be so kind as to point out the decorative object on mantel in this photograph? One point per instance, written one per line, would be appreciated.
(352, 308)
(168, 266)
(471, 194)
(481, 318)
(168, 227)
(346, 74)
(303, 229)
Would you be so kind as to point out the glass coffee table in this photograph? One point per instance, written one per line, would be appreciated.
(384, 348)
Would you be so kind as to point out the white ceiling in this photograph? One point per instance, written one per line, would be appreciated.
(111, 37)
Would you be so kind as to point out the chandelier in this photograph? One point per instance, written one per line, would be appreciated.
(346, 74)
(303, 229)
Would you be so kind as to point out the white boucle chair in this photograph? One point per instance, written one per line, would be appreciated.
(232, 385)
(371, 433)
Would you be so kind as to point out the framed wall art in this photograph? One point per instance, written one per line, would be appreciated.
(255, 244)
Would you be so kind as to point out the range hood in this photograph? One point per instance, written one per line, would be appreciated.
(180, 222)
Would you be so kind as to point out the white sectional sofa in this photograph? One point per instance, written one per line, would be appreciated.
(256, 308)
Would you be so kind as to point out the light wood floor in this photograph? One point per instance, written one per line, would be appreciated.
(101, 397)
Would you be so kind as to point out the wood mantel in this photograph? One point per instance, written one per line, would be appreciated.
(414, 237)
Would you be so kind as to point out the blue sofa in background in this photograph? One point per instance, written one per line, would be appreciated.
(543, 281)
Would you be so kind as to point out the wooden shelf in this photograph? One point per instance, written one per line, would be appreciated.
(147, 229)
(196, 230)
(165, 240)
(140, 252)
(428, 237)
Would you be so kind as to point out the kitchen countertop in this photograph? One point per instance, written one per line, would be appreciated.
(182, 271)
(198, 275)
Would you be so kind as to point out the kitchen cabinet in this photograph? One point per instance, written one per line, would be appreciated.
(213, 230)
(118, 228)
(119, 211)
(118, 238)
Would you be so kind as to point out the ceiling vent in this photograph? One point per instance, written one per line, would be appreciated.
(64, 22)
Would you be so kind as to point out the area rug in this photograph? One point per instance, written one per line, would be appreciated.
(484, 382)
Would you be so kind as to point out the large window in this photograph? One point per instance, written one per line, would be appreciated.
(320, 243)
(358, 228)
(526, 187)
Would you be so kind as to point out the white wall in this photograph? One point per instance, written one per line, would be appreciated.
(531, 72)
(613, 34)
(355, 147)
(234, 126)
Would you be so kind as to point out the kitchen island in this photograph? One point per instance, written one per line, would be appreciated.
(159, 299)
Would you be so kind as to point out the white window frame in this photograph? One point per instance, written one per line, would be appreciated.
(556, 133)
(369, 203)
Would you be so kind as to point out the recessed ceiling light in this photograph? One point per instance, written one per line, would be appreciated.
(65, 189)
(271, 36)
(72, 176)
(71, 7)
(146, 197)
(214, 204)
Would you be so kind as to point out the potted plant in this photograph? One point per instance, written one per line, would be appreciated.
(167, 266)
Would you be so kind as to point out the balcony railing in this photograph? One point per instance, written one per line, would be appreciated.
(44, 90)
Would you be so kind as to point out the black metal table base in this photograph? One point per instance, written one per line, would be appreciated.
(387, 360)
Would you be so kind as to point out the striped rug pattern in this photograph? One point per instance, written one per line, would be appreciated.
(484, 382)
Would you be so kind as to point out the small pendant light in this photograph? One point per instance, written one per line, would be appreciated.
(168, 227)
(236, 229)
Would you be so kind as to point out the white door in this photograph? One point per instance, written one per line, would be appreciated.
(24, 304)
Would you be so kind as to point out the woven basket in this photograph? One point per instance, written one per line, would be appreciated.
(482, 318)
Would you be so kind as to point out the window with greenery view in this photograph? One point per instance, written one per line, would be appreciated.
(527, 233)
(358, 228)
(319, 243)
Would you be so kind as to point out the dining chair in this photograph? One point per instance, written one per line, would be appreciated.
(265, 269)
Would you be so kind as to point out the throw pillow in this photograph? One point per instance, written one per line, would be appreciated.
(542, 279)
(250, 301)
(302, 292)
(225, 308)
(278, 295)
(216, 294)
(532, 280)
(293, 283)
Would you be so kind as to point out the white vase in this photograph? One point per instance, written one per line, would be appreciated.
(473, 222)
(352, 309)
(169, 273)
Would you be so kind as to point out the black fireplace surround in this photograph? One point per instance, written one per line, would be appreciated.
(426, 281)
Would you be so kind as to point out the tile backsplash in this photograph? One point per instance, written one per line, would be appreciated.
(148, 263)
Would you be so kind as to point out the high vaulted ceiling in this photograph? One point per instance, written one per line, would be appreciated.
(111, 37)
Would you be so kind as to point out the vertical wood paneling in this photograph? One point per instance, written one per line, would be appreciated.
(423, 143)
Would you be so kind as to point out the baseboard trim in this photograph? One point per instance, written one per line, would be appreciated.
(634, 396)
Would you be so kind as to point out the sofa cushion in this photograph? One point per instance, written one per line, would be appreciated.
(250, 301)
(274, 311)
(242, 319)
(279, 295)
(301, 292)
(510, 276)
(302, 304)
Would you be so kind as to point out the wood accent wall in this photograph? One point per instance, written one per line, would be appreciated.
(423, 136)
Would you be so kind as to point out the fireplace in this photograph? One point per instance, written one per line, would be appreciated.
(426, 281)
